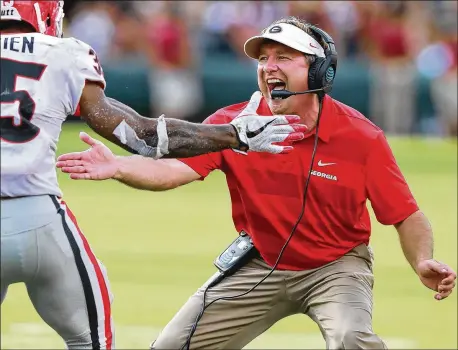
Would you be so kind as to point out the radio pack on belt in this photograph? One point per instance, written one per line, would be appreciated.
(239, 252)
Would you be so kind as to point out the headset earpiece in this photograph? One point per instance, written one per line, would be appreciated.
(314, 73)
(322, 72)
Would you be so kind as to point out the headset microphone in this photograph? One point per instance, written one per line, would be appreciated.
(285, 93)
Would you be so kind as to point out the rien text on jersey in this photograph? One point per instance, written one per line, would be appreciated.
(21, 43)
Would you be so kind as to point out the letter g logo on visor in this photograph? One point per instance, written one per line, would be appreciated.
(275, 29)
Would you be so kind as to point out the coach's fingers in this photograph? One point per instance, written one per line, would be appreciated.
(443, 295)
(88, 139)
(450, 279)
(74, 169)
(70, 156)
(84, 176)
(446, 284)
(445, 290)
(437, 267)
(70, 162)
(447, 293)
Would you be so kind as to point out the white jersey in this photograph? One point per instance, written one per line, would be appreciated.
(42, 79)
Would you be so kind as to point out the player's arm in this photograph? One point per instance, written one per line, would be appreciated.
(161, 137)
(185, 139)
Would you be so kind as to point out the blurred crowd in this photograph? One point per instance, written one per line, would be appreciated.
(400, 39)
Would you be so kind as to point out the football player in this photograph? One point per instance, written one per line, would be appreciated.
(45, 78)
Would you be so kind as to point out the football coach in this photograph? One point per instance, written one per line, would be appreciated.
(305, 212)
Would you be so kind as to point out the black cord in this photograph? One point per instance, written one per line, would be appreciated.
(221, 276)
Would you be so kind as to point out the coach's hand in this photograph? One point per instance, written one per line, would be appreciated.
(437, 276)
(272, 134)
(96, 163)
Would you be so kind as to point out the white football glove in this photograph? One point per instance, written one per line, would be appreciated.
(260, 133)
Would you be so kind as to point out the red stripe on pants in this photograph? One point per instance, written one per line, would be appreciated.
(100, 279)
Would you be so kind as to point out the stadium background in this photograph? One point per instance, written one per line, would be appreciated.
(185, 59)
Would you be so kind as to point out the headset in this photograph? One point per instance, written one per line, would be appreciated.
(320, 80)
(323, 71)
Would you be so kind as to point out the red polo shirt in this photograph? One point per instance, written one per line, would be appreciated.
(353, 163)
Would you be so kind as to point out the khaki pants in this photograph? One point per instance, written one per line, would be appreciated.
(337, 296)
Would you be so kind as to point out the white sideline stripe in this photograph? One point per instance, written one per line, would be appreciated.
(36, 335)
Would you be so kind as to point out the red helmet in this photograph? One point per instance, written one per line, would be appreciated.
(36, 13)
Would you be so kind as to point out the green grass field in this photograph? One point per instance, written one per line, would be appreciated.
(152, 245)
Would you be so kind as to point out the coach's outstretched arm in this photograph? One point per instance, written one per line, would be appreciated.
(393, 204)
(173, 138)
(416, 237)
(99, 163)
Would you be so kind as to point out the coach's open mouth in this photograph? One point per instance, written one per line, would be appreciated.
(276, 84)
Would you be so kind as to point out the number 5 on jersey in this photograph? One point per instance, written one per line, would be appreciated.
(15, 124)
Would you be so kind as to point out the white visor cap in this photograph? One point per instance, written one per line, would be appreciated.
(286, 34)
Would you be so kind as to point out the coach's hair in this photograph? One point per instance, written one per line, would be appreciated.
(305, 26)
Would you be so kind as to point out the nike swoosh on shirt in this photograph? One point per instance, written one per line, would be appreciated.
(320, 163)
(254, 133)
